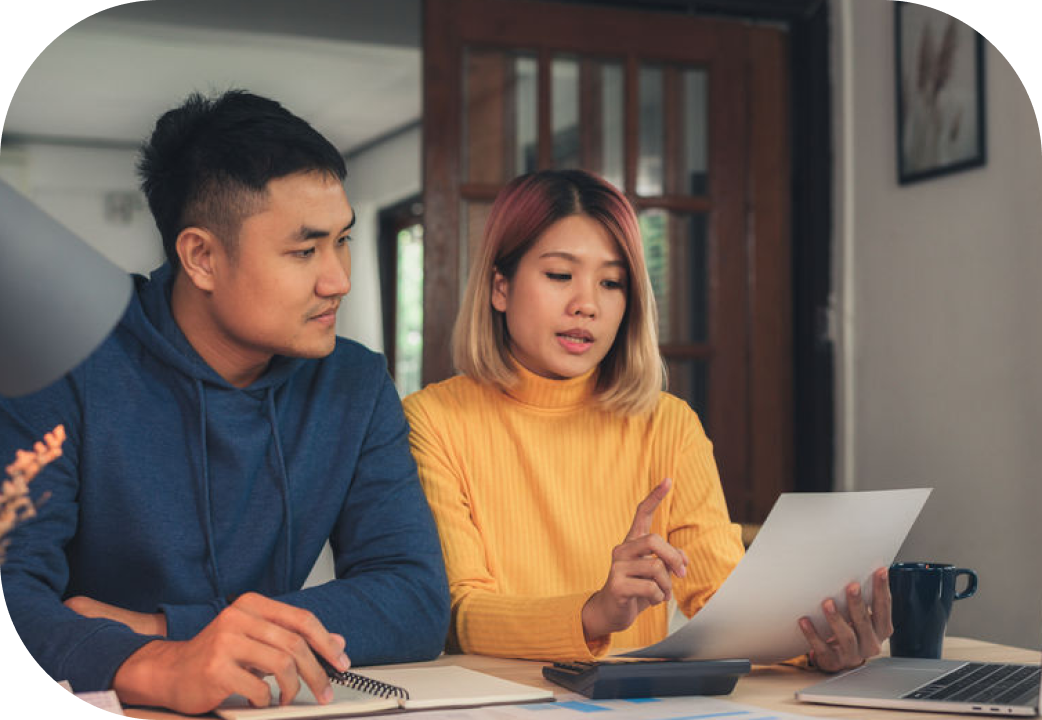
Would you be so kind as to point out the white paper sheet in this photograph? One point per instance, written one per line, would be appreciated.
(104, 699)
(810, 547)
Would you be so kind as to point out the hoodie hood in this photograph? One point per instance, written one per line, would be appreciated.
(233, 426)
(149, 318)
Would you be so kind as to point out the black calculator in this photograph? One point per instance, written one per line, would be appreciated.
(647, 678)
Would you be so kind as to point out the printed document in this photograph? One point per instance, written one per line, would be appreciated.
(811, 546)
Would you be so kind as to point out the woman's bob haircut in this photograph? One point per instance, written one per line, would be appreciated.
(631, 374)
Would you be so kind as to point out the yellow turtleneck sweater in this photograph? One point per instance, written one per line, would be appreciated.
(533, 488)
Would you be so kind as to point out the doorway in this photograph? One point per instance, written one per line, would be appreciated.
(662, 106)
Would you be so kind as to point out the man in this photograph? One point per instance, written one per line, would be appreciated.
(218, 438)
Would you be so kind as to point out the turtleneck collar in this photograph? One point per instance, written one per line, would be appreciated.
(541, 392)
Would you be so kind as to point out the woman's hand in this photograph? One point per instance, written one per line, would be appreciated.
(856, 638)
(640, 573)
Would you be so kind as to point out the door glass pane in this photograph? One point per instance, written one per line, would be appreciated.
(526, 74)
(675, 253)
(650, 165)
(688, 379)
(408, 344)
(564, 72)
(653, 230)
(695, 123)
(612, 117)
(499, 115)
(588, 116)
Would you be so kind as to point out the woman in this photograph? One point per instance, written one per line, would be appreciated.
(556, 443)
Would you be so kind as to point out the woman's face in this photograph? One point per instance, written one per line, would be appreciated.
(565, 303)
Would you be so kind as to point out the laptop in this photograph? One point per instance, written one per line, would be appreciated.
(952, 686)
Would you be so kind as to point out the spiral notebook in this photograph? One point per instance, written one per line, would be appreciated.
(386, 689)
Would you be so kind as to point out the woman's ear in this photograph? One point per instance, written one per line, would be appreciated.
(500, 287)
(197, 248)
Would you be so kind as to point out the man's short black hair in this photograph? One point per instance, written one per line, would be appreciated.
(209, 161)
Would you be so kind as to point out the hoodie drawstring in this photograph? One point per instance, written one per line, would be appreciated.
(284, 488)
(204, 495)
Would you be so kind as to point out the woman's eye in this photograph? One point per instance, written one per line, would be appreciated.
(614, 284)
(559, 276)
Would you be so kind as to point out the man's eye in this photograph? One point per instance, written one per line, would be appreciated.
(343, 240)
(305, 253)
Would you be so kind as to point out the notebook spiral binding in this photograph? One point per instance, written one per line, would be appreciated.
(368, 685)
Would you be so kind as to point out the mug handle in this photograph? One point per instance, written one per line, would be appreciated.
(971, 583)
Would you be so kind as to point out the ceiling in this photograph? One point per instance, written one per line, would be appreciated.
(350, 67)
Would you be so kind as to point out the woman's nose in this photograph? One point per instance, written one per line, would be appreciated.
(583, 304)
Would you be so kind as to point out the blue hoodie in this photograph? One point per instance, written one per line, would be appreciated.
(178, 491)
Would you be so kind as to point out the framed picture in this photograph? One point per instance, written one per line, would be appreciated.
(940, 93)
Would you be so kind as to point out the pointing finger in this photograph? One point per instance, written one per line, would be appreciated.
(646, 510)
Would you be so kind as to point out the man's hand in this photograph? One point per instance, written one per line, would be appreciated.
(639, 575)
(253, 637)
(852, 641)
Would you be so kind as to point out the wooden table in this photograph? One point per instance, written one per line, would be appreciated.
(768, 686)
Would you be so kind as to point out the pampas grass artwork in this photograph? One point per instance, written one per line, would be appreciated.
(15, 504)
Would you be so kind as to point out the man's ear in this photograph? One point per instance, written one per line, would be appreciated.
(198, 250)
(500, 286)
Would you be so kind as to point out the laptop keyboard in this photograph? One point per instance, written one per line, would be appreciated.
(994, 683)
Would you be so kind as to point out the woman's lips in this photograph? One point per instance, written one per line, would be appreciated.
(575, 341)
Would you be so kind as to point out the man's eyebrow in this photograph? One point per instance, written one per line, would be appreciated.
(307, 233)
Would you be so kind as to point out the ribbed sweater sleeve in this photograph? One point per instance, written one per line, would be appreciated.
(485, 620)
(530, 498)
(699, 521)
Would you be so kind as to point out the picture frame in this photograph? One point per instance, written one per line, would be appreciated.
(940, 93)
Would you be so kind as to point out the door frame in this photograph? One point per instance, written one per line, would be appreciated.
(809, 215)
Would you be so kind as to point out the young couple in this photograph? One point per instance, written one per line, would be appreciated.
(223, 433)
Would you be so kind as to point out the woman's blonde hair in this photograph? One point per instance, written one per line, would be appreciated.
(631, 374)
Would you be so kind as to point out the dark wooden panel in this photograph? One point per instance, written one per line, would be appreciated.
(770, 292)
(442, 91)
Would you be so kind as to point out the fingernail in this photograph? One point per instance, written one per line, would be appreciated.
(830, 606)
(855, 591)
(327, 695)
(343, 663)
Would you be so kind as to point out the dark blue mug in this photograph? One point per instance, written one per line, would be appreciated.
(922, 596)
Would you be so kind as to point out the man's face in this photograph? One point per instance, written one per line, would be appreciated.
(279, 293)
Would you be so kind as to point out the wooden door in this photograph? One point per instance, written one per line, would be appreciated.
(689, 117)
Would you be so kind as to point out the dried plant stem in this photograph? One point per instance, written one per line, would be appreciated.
(15, 503)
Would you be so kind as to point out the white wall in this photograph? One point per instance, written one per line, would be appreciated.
(376, 178)
(94, 193)
(75, 184)
(938, 293)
